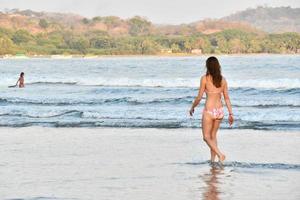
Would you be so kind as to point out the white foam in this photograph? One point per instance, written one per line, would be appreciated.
(193, 82)
(176, 82)
(283, 83)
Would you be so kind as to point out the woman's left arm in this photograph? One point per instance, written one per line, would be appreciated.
(199, 96)
(17, 81)
(228, 103)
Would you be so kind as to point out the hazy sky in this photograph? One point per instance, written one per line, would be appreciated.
(158, 11)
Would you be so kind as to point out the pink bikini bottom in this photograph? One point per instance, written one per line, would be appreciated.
(216, 113)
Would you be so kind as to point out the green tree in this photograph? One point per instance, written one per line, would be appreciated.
(149, 47)
(102, 42)
(268, 46)
(255, 46)
(85, 21)
(21, 36)
(187, 45)
(112, 21)
(6, 46)
(143, 39)
(76, 43)
(56, 38)
(43, 23)
(203, 44)
(139, 26)
(236, 46)
(97, 19)
(222, 45)
(175, 48)
(81, 44)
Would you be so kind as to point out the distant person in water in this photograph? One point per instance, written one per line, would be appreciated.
(214, 85)
(21, 80)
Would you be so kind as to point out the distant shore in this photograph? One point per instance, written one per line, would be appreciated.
(61, 56)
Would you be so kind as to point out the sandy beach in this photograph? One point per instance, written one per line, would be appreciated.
(107, 100)
(112, 163)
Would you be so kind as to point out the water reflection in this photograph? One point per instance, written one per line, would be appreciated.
(211, 190)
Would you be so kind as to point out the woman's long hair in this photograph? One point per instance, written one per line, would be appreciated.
(214, 69)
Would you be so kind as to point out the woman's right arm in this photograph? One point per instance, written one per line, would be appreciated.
(199, 96)
(227, 102)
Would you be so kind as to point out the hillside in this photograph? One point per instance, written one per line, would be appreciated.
(268, 19)
(45, 33)
(38, 22)
(272, 20)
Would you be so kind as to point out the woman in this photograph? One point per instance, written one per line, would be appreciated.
(21, 80)
(214, 85)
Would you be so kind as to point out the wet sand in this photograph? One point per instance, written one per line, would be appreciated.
(109, 163)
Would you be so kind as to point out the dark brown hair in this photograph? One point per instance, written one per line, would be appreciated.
(214, 69)
(22, 74)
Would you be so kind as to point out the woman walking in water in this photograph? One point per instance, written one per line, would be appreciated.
(214, 85)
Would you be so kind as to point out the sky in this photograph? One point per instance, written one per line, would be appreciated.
(157, 11)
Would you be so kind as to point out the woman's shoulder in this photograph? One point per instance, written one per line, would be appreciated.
(223, 80)
(203, 78)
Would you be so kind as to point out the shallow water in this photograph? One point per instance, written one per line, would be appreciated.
(90, 164)
(147, 92)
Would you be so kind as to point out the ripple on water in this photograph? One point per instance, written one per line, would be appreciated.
(249, 165)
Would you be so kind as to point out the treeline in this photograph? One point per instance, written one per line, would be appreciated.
(143, 41)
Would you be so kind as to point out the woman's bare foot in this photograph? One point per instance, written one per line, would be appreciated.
(222, 158)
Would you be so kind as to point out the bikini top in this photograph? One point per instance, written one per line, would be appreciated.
(213, 92)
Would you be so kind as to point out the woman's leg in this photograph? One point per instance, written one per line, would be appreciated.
(207, 124)
(212, 153)
(215, 128)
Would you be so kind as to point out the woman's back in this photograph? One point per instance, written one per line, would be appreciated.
(213, 94)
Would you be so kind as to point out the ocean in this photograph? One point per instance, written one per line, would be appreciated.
(147, 92)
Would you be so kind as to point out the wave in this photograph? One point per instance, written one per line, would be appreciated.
(92, 124)
(267, 125)
(188, 99)
(270, 105)
(266, 91)
(250, 165)
(51, 83)
(283, 83)
(79, 119)
(42, 198)
(53, 115)
(127, 100)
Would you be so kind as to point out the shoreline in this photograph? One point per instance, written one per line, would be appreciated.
(133, 129)
(71, 56)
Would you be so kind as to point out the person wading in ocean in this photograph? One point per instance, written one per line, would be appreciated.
(21, 80)
(214, 85)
